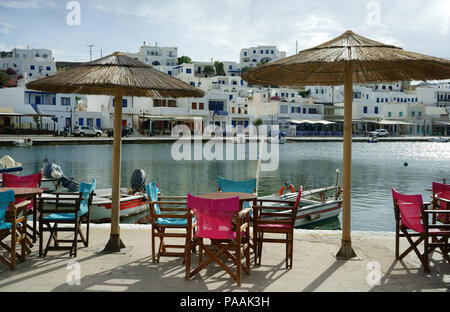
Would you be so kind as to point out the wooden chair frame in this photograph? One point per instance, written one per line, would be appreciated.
(429, 247)
(274, 215)
(240, 246)
(68, 203)
(17, 216)
(171, 207)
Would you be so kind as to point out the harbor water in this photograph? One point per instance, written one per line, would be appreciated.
(410, 167)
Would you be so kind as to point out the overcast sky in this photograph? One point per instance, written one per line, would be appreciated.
(205, 29)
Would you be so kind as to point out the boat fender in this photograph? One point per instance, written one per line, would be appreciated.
(312, 217)
(285, 187)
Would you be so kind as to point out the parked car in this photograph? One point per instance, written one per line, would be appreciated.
(86, 131)
(379, 133)
(126, 131)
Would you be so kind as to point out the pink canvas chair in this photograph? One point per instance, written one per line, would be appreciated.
(33, 180)
(214, 221)
(441, 200)
(276, 218)
(412, 220)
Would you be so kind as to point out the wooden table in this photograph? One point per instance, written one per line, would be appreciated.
(29, 193)
(243, 197)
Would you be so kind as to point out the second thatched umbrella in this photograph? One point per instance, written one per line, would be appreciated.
(117, 75)
(349, 59)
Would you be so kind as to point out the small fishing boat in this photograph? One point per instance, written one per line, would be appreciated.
(439, 140)
(372, 140)
(23, 142)
(315, 206)
(130, 204)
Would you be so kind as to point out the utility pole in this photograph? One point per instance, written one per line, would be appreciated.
(90, 50)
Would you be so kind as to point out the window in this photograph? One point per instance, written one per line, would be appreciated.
(299, 110)
(245, 53)
(267, 51)
(32, 67)
(170, 72)
(216, 105)
(420, 114)
(400, 114)
(230, 97)
(230, 67)
(378, 100)
(292, 110)
(413, 114)
(65, 101)
(254, 51)
(192, 83)
(312, 111)
(124, 103)
(304, 110)
(271, 52)
(232, 110)
(194, 105)
(376, 109)
(49, 68)
(80, 121)
(389, 114)
(201, 106)
(365, 109)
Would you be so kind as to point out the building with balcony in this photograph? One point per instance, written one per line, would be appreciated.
(30, 63)
(156, 56)
(260, 54)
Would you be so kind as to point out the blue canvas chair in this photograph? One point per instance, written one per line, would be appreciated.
(13, 223)
(248, 186)
(168, 214)
(65, 208)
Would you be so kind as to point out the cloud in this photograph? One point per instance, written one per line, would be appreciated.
(5, 27)
(33, 4)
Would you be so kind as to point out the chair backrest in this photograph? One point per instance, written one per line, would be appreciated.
(409, 206)
(11, 180)
(214, 216)
(248, 186)
(299, 196)
(6, 198)
(153, 191)
(86, 190)
(442, 191)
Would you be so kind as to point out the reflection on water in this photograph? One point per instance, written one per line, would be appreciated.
(376, 169)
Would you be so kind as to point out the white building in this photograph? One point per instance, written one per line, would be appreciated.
(156, 56)
(30, 63)
(260, 54)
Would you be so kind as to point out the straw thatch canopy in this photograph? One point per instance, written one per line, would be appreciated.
(104, 75)
(372, 62)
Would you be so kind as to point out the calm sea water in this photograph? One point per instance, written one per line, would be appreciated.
(376, 169)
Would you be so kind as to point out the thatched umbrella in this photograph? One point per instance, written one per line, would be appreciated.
(349, 59)
(117, 75)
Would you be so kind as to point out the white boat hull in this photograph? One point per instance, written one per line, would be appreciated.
(312, 211)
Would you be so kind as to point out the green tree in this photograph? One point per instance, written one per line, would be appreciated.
(184, 60)
(208, 69)
(219, 68)
(246, 68)
(257, 122)
(4, 77)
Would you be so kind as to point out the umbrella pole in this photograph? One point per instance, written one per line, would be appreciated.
(346, 251)
(115, 243)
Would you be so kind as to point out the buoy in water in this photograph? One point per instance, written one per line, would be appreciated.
(405, 164)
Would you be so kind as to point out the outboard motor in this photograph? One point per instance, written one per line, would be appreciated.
(138, 181)
(53, 171)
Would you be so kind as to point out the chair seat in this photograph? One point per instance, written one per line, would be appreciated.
(275, 226)
(233, 236)
(5, 226)
(165, 221)
(61, 217)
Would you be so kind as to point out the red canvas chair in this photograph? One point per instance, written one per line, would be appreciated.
(412, 220)
(441, 200)
(276, 218)
(33, 180)
(214, 221)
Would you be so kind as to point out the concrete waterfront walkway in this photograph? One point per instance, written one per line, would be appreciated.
(314, 269)
(51, 140)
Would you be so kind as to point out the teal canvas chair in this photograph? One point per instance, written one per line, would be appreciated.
(13, 223)
(168, 214)
(65, 208)
(248, 186)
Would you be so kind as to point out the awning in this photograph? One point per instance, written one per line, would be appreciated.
(394, 122)
(311, 122)
(170, 117)
(442, 123)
